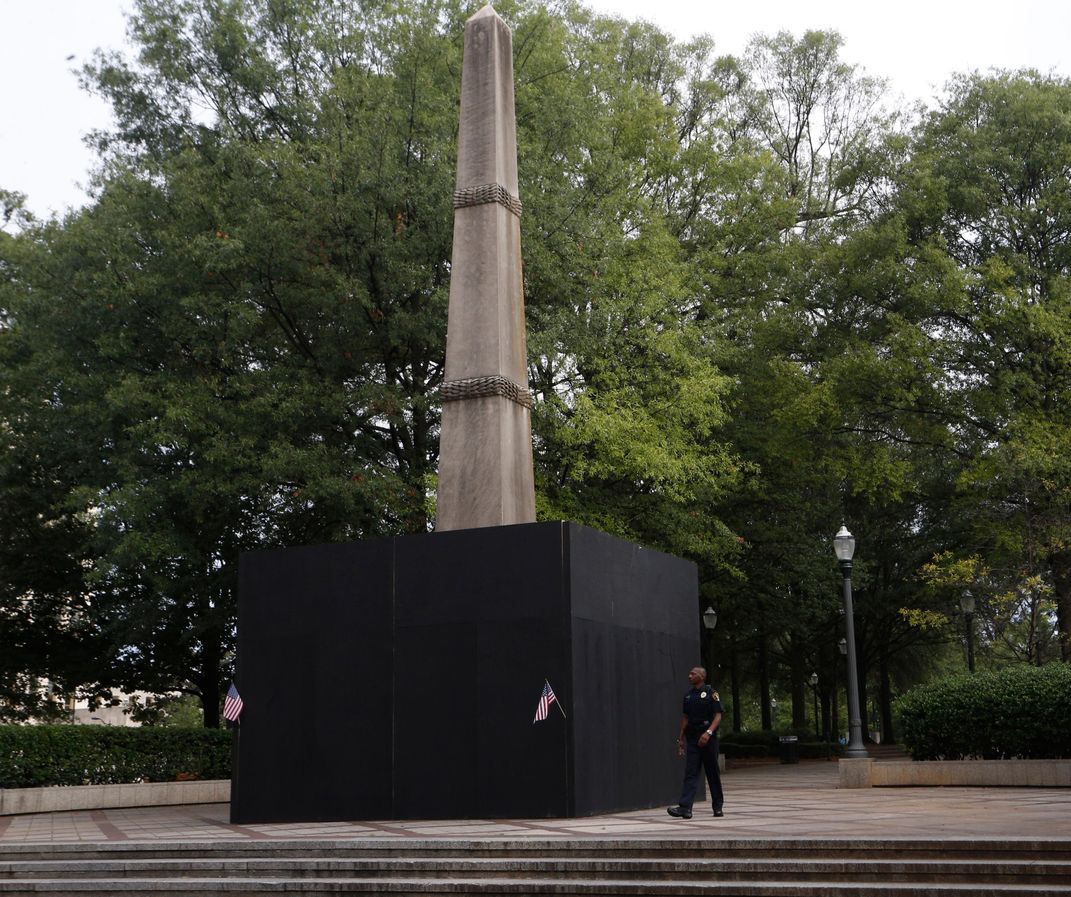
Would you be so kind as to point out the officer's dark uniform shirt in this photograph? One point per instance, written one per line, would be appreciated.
(700, 706)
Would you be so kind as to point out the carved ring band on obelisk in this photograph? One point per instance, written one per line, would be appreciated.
(485, 193)
(475, 387)
(485, 448)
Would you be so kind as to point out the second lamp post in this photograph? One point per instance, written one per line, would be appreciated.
(844, 547)
(710, 620)
(814, 690)
(966, 604)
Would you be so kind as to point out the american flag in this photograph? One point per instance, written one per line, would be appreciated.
(232, 704)
(545, 700)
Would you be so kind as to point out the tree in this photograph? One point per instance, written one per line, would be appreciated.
(990, 179)
(823, 122)
(631, 399)
(756, 308)
(241, 333)
(802, 279)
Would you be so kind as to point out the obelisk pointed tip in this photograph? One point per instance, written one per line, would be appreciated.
(487, 12)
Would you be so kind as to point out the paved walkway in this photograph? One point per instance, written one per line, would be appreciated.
(770, 801)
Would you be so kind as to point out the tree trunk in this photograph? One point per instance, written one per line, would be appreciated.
(885, 693)
(708, 655)
(834, 702)
(764, 684)
(1061, 577)
(210, 701)
(418, 518)
(797, 671)
(734, 679)
(209, 682)
(834, 714)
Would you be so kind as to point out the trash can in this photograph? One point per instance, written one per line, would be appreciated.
(790, 750)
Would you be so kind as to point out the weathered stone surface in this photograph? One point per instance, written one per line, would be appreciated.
(485, 332)
(485, 453)
(488, 435)
(855, 772)
(16, 801)
(866, 773)
(487, 138)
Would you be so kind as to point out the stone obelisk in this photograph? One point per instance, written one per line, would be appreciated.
(485, 454)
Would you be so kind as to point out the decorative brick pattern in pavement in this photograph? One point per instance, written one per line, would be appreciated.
(794, 801)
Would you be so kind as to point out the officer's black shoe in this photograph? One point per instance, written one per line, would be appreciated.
(718, 813)
(680, 812)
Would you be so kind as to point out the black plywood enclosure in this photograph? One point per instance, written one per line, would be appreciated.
(399, 678)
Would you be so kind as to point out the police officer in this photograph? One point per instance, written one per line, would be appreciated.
(698, 742)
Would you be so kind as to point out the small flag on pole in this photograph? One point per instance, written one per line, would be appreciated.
(545, 700)
(232, 704)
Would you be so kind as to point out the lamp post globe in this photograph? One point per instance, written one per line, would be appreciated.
(844, 548)
(710, 619)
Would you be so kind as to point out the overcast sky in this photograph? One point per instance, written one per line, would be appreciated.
(915, 44)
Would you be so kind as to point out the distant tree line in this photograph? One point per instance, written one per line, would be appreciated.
(762, 300)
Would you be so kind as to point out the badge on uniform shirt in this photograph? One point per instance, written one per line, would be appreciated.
(703, 696)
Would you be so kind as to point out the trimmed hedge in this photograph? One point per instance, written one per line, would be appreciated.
(817, 750)
(733, 751)
(1020, 711)
(738, 745)
(33, 756)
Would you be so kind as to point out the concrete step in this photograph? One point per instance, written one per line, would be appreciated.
(790, 867)
(594, 848)
(489, 888)
(878, 869)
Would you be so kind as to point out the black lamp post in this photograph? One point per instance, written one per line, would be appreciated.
(844, 548)
(842, 647)
(966, 604)
(814, 691)
(710, 620)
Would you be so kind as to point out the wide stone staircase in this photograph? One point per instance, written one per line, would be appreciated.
(809, 868)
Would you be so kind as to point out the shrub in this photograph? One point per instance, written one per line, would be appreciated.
(766, 739)
(32, 756)
(736, 751)
(817, 750)
(767, 744)
(1017, 712)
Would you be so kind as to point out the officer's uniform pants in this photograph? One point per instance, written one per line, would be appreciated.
(707, 757)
